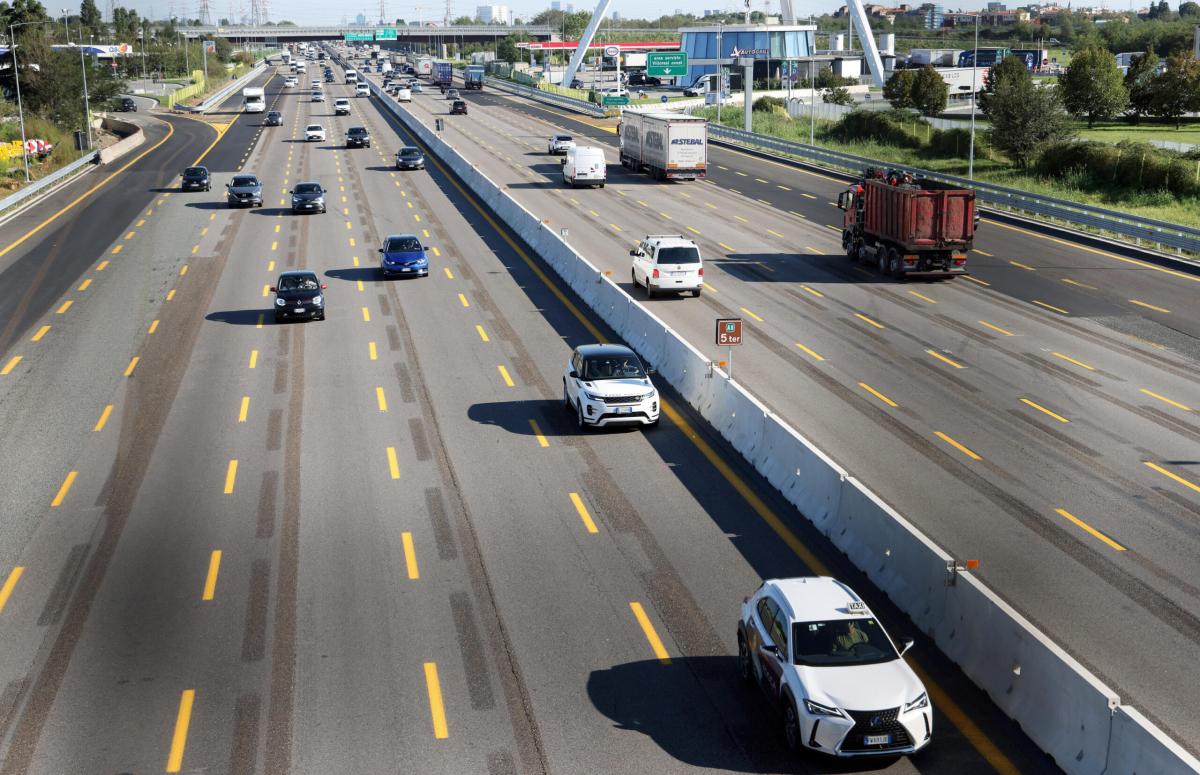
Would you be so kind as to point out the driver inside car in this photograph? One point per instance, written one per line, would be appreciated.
(847, 640)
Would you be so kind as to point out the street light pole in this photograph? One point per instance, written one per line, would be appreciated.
(974, 101)
(12, 36)
(720, 69)
(143, 49)
(87, 110)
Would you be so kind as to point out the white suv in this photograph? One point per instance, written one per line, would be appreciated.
(606, 384)
(559, 144)
(314, 132)
(819, 655)
(341, 107)
(667, 262)
(362, 90)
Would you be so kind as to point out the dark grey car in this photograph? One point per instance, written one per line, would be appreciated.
(244, 190)
(308, 197)
(410, 158)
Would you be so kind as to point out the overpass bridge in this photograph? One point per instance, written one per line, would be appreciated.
(466, 33)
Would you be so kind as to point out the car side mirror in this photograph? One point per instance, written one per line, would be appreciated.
(908, 644)
(563, 161)
(273, 289)
(651, 371)
(770, 648)
(228, 185)
(573, 374)
(424, 247)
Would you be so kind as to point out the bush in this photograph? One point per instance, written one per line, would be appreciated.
(888, 127)
(769, 104)
(1128, 165)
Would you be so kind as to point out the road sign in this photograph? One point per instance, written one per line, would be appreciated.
(667, 64)
(385, 33)
(663, 98)
(615, 100)
(729, 331)
(611, 51)
(359, 36)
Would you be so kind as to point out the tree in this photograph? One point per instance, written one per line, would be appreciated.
(1160, 10)
(22, 12)
(52, 83)
(929, 91)
(1009, 69)
(126, 24)
(506, 48)
(1139, 82)
(1092, 87)
(1177, 88)
(463, 20)
(1189, 9)
(1024, 116)
(89, 15)
(898, 89)
(838, 95)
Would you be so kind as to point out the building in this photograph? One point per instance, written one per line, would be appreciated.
(555, 5)
(761, 42)
(934, 16)
(616, 16)
(494, 14)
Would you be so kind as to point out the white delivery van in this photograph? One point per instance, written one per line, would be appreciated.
(351, 75)
(584, 165)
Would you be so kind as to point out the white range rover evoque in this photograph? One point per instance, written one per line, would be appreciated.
(606, 384)
(820, 656)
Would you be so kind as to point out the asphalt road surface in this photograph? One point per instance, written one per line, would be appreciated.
(1038, 415)
(375, 542)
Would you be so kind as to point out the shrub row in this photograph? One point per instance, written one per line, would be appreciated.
(1129, 164)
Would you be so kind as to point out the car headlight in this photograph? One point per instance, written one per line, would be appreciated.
(591, 397)
(817, 709)
(318, 300)
(280, 302)
(917, 704)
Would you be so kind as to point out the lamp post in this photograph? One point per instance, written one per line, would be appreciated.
(12, 36)
(974, 101)
(87, 110)
(720, 69)
(143, 36)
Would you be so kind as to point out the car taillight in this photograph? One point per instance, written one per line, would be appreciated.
(960, 261)
(656, 274)
(701, 271)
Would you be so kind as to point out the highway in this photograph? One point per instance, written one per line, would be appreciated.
(376, 541)
(1038, 415)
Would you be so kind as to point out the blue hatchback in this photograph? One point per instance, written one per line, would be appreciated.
(403, 254)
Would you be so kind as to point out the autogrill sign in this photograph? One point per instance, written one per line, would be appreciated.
(748, 52)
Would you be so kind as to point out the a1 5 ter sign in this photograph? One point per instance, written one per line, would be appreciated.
(729, 331)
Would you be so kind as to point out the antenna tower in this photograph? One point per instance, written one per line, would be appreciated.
(382, 13)
(203, 12)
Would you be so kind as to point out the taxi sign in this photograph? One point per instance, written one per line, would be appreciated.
(856, 607)
(729, 331)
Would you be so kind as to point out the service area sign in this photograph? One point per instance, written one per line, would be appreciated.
(359, 36)
(613, 99)
(667, 64)
(729, 331)
(385, 33)
(611, 51)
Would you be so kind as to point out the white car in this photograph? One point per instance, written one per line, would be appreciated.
(606, 384)
(403, 95)
(452, 94)
(318, 96)
(314, 132)
(820, 656)
(291, 81)
(341, 107)
(362, 90)
(559, 144)
(667, 263)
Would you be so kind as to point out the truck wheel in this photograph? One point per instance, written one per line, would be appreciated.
(896, 266)
(883, 254)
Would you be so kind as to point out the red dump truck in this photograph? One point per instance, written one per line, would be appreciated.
(906, 226)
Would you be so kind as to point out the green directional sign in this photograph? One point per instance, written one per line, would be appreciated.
(359, 36)
(615, 100)
(667, 64)
(385, 33)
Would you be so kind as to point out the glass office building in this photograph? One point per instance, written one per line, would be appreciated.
(770, 44)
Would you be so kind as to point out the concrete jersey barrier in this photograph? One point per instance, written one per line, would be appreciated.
(1063, 707)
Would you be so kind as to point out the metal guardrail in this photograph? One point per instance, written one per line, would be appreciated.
(233, 86)
(337, 31)
(546, 96)
(1141, 230)
(17, 197)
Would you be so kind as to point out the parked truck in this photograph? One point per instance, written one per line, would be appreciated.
(254, 99)
(908, 226)
(666, 145)
(473, 77)
(443, 73)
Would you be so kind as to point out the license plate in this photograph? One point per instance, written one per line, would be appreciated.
(299, 310)
(406, 269)
(624, 409)
(679, 274)
(877, 739)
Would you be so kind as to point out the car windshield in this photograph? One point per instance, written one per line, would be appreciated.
(273, 114)
(195, 171)
(308, 188)
(612, 367)
(409, 153)
(314, 128)
(562, 138)
(245, 180)
(688, 255)
(298, 282)
(402, 244)
(357, 130)
(841, 642)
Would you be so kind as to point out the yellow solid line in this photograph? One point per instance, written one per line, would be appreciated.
(709, 288)
(944, 359)
(371, 351)
(751, 314)
(1019, 265)
(1051, 307)
(813, 354)
(507, 379)
(63, 489)
(583, 512)
(1166, 400)
(66, 305)
(103, 418)
(179, 739)
(9, 584)
(366, 313)
(253, 358)
(537, 432)
(923, 296)
(995, 328)
(153, 327)
(436, 709)
(83, 286)
(878, 395)
(464, 301)
(656, 644)
(1044, 410)
(1080, 523)
(482, 334)
(410, 556)
(133, 362)
(210, 583)
(863, 317)
(381, 399)
(40, 333)
(245, 409)
(1169, 475)
(393, 466)
(956, 445)
(1072, 360)
(1149, 306)
(231, 476)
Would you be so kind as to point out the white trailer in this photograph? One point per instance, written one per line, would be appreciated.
(666, 145)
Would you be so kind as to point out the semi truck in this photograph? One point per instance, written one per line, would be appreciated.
(473, 77)
(667, 145)
(443, 74)
(908, 226)
(254, 99)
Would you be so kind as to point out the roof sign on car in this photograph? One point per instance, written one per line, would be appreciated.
(856, 607)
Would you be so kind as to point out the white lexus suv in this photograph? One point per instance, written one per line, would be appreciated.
(606, 384)
(819, 655)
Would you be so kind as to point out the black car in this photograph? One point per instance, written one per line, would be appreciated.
(244, 190)
(298, 296)
(641, 79)
(410, 158)
(195, 179)
(126, 105)
(274, 118)
(328, 77)
(458, 108)
(358, 137)
(308, 198)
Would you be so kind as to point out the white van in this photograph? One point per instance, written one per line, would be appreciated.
(351, 75)
(362, 90)
(584, 165)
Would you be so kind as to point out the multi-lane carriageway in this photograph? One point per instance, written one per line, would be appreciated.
(374, 542)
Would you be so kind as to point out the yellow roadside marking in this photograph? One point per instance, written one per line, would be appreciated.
(878, 395)
(1081, 364)
(100, 267)
(410, 556)
(1166, 400)
(1019, 265)
(83, 286)
(537, 432)
(482, 334)
(580, 508)
(923, 297)
(253, 358)
(507, 379)
(957, 446)
(104, 415)
(1050, 307)
(436, 709)
(231, 476)
(63, 489)
(726, 247)
(133, 362)
(381, 399)
(10, 583)
(170, 294)
(1149, 306)
(371, 353)
(1174, 477)
(656, 644)
(244, 410)
(751, 314)
(866, 319)
(179, 739)
(210, 583)
(812, 354)
(66, 305)
(986, 324)
(393, 464)
(1044, 410)
(944, 359)
(1088, 528)
(40, 333)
